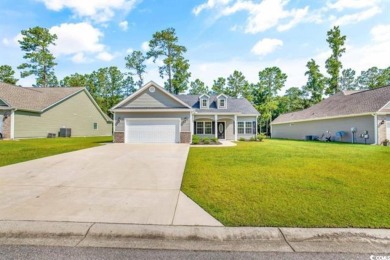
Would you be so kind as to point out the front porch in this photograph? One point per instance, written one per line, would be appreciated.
(224, 127)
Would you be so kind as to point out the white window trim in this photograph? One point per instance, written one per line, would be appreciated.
(219, 103)
(201, 103)
(203, 127)
(245, 128)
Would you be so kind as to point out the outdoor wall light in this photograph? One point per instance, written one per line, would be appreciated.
(382, 122)
(118, 120)
(185, 119)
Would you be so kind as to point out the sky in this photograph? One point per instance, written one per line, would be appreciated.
(220, 35)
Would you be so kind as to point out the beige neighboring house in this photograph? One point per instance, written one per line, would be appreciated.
(36, 112)
(367, 110)
(153, 115)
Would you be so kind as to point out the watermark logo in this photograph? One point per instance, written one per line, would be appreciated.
(380, 257)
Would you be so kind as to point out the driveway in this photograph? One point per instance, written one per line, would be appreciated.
(114, 183)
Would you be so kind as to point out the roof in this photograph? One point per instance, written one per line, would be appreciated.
(39, 99)
(234, 105)
(341, 104)
(34, 99)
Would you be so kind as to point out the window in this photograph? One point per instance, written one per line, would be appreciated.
(199, 128)
(95, 126)
(248, 127)
(204, 128)
(244, 128)
(241, 128)
(204, 103)
(222, 103)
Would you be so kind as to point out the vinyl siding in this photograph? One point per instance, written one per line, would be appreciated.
(386, 109)
(78, 113)
(299, 130)
(157, 99)
(119, 124)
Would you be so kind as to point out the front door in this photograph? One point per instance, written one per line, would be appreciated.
(221, 130)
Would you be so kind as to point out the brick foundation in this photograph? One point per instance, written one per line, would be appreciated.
(185, 137)
(119, 137)
(6, 125)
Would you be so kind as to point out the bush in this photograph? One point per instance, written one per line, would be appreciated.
(214, 139)
(261, 137)
(195, 139)
(242, 139)
(252, 139)
(206, 140)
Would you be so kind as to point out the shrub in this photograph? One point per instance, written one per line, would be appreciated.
(242, 139)
(214, 139)
(195, 139)
(261, 137)
(206, 140)
(252, 138)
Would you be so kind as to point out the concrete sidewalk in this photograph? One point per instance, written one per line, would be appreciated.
(195, 237)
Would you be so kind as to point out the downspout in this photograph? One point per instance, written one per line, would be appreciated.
(376, 128)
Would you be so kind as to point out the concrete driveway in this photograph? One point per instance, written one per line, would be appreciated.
(114, 183)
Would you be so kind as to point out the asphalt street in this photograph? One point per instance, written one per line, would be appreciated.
(68, 253)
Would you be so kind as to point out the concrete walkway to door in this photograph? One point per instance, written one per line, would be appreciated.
(114, 183)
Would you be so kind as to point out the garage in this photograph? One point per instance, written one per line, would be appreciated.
(154, 130)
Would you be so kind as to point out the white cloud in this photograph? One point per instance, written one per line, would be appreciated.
(6, 42)
(340, 5)
(145, 46)
(129, 50)
(210, 4)
(381, 33)
(105, 56)
(124, 25)
(97, 10)
(357, 17)
(266, 46)
(261, 16)
(79, 40)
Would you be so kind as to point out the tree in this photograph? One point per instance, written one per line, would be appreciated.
(165, 44)
(237, 85)
(347, 80)
(36, 42)
(7, 75)
(198, 87)
(271, 80)
(74, 80)
(374, 78)
(129, 86)
(219, 86)
(135, 63)
(315, 83)
(295, 98)
(333, 64)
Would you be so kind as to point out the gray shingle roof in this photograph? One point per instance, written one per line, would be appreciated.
(33, 99)
(234, 105)
(342, 104)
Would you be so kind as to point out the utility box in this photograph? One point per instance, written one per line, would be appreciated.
(65, 132)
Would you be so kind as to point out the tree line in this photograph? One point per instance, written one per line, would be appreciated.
(109, 85)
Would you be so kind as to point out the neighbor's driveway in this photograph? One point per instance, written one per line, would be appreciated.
(114, 183)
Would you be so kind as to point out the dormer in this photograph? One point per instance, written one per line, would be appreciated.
(204, 101)
(222, 101)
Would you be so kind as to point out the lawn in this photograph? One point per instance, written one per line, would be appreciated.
(28, 149)
(292, 184)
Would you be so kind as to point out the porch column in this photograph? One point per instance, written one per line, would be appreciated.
(235, 128)
(191, 124)
(216, 125)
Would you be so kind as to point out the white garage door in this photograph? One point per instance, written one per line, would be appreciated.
(152, 130)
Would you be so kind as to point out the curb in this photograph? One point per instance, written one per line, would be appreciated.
(195, 237)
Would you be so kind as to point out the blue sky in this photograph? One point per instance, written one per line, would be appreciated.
(220, 35)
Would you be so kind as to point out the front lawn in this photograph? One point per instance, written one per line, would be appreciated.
(23, 150)
(292, 184)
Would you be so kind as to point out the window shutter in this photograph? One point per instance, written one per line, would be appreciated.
(254, 127)
(195, 128)
(234, 127)
(213, 128)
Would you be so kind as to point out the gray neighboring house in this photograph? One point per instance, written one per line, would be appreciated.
(367, 110)
(36, 112)
(153, 115)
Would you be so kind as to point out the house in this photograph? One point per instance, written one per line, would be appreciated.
(366, 112)
(36, 112)
(153, 115)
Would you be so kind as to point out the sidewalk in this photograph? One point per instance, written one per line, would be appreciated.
(77, 234)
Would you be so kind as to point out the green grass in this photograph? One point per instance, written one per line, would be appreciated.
(292, 184)
(28, 149)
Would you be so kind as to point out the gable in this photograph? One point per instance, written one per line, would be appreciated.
(386, 108)
(149, 99)
(3, 104)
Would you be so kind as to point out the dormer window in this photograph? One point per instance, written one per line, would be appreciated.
(204, 101)
(222, 101)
